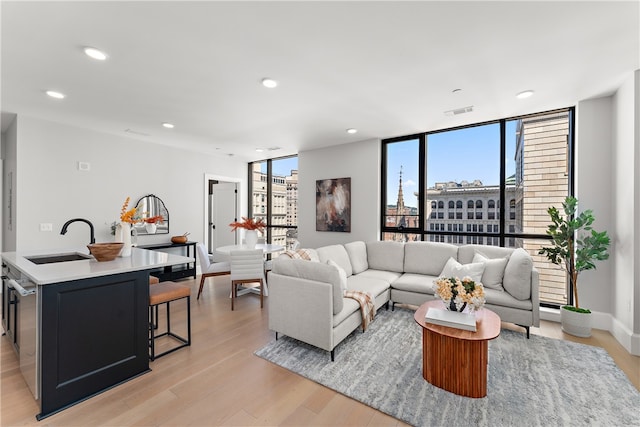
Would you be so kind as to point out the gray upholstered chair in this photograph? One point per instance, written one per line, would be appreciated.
(210, 269)
(247, 266)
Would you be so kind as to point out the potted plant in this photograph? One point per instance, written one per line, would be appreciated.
(576, 248)
(251, 227)
(150, 223)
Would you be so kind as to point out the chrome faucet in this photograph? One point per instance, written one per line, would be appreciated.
(66, 225)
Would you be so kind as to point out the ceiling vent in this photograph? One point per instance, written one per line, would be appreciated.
(459, 111)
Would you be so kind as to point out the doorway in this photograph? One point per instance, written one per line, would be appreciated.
(222, 210)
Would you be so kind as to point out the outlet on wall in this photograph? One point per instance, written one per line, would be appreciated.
(46, 226)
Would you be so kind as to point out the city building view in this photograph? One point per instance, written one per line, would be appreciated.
(468, 212)
(280, 210)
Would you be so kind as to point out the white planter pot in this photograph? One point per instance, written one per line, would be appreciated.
(576, 324)
(150, 227)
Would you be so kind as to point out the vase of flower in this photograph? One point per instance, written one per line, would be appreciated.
(126, 239)
(150, 227)
(251, 226)
(452, 306)
(458, 294)
(251, 238)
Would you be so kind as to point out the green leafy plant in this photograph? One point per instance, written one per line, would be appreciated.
(576, 245)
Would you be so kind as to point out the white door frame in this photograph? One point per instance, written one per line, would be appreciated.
(211, 177)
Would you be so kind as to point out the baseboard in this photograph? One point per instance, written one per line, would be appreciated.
(605, 322)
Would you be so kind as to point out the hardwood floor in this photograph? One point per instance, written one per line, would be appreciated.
(219, 381)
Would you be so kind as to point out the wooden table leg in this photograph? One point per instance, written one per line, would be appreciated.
(455, 365)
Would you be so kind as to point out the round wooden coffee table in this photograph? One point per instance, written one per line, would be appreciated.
(455, 359)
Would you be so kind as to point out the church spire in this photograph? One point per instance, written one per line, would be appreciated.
(400, 203)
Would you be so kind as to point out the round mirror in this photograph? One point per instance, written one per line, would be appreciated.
(155, 214)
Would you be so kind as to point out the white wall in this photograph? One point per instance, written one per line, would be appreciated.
(361, 162)
(53, 190)
(626, 190)
(593, 189)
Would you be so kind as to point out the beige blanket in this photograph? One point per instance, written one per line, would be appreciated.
(367, 308)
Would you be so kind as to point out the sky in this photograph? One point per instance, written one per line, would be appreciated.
(281, 167)
(464, 154)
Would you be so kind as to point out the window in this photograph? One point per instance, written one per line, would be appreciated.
(502, 162)
(274, 186)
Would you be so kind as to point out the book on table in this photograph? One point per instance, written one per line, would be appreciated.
(452, 319)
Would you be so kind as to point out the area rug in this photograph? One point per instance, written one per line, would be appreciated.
(538, 381)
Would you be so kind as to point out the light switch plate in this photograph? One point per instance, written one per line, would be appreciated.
(46, 226)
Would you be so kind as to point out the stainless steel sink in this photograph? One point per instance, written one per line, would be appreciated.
(54, 258)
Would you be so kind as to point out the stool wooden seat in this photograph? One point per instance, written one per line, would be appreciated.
(165, 293)
(153, 280)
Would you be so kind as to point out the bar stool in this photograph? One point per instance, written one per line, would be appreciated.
(165, 293)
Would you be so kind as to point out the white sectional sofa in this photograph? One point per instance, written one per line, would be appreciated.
(306, 302)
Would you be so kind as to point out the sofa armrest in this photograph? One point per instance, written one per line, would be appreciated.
(301, 309)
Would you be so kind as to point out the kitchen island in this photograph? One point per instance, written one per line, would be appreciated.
(81, 326)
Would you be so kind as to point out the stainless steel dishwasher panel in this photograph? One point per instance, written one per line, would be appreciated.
(27, 331)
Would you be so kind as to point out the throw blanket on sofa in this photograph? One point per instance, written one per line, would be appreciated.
(367, 308)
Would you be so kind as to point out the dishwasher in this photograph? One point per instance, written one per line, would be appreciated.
(23, 295)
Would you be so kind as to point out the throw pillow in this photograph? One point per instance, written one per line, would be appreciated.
(341, 273)
(517, 275)
(454, 269)
(298, 254)
(493, 270)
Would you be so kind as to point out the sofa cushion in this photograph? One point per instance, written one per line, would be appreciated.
(387, 276)
(454, 269)
(517, 274)
(427, 257)
(467, 252)
(341, 273)
(504, 299)
(387, 256)
(357, 255)
(338, 254)
(348, 308)
(315, 271)
(367, 284)
(412, 282)
(493, 271)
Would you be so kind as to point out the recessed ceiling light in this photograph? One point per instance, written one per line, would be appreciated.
(168, 125)
(270, 83)
(54, 94)
(524, 94)
(352, 130)
(94, 53)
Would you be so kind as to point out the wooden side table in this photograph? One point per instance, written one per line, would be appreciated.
(455, 359)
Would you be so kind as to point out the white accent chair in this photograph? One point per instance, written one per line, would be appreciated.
(210, 269)
(247, 266)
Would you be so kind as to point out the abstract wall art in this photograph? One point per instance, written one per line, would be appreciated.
(333, 205)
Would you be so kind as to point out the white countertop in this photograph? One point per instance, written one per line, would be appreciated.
(140, 259)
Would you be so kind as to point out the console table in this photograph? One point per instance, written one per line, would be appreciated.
(179, 271)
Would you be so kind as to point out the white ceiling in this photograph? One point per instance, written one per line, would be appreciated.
(385, 68)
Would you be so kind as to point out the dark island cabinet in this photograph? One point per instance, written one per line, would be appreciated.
(94, 336)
